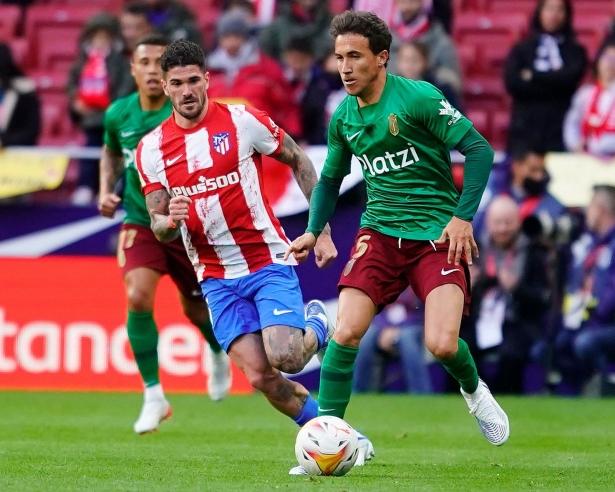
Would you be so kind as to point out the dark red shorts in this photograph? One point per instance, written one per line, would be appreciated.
(138, 248)
(383, 267)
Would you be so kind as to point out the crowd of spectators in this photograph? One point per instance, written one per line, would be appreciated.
(537, 299)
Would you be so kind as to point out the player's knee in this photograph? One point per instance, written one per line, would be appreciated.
(443, 349)
(347, 338)
(260, 380)
(140, 300)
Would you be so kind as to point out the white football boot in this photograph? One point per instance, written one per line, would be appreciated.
(492, 420)
(152, 413)
(318, 309)
(366, 453)
(219, 370)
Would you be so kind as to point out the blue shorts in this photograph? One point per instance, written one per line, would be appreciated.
(269, 297)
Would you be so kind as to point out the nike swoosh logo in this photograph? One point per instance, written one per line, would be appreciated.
(170, 162)
(351, 137)
(126, 134)
(284, 311)
(326, 409)
(446, 272)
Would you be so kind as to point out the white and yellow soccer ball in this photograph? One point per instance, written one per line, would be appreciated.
(327, 445)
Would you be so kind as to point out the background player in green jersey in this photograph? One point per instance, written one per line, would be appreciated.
(142, 258)
(416, 229)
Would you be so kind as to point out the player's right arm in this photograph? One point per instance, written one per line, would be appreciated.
(326, 192)
(167, 214)
(111, 167)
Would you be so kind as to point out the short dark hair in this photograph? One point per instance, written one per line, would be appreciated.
(365, 24)
(154, 39)
(136, 8)
(519, 154)
(182, 53)
(608, 192)
(301, 45)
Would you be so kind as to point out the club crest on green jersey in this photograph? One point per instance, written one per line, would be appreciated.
(448, 110)
(393, 125)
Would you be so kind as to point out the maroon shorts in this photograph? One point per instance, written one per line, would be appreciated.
(383, 267)
(138, 248)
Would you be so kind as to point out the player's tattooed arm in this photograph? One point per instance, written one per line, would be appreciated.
(295, 157)
(111, 169)
(157, 203)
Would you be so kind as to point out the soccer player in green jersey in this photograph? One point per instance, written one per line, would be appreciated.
(142, 258)
(416, 229)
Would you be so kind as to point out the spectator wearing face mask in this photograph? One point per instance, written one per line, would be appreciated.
(541, 74)
(526, 183)
(590, 122)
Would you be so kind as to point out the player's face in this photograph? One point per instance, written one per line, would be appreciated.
(187, 89)
(358, 66)
(146, 70)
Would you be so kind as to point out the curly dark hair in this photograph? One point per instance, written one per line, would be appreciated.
(365, 24)
(181, 54)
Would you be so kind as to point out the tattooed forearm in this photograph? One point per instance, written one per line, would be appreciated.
(158, 206)
(111, 168)
(295, 157)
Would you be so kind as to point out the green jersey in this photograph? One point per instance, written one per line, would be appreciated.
(125, 124)
(402, 143)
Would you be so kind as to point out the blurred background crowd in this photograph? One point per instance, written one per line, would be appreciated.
(534, 76)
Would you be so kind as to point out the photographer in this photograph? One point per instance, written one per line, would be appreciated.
(586, 343)
(525, 181)
(511, 295)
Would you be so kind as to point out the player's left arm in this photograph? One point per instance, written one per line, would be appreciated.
(456, 131)
(167, 214)
(295, 157)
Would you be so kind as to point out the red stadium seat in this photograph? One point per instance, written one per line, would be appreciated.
(467, 58)
(489, 29)
(492, 59)
(46, 22)
(9, 19)
(338, 6)
(484, 93)
(500, 123)
(526, 7)
(19, 48)
(207, 18)
(57, 126)
(603, 7)
(591, 30)
(480, 118)
(112, 6)
(58, 47)
(49, 81)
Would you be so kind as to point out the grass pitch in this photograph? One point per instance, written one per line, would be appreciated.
(71, 441)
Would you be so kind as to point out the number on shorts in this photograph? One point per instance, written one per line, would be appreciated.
(126, 240)
(361, 247)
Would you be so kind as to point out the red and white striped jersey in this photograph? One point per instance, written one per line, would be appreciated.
(231, 231)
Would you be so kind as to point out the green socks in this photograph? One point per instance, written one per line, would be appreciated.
(143, 336)
(336, 379)
(208, 333)
(463, 368)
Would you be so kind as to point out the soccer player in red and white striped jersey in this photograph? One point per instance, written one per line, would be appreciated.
(201, 176)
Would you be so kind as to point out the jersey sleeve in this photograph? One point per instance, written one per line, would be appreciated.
(337, 163)
(148, 156)
(439, 116)
(266, 136)
(111, 131)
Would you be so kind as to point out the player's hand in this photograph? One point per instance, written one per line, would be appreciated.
(108, 204)
(325, 251)
(461, 236)
(300, 248)
(178, 209)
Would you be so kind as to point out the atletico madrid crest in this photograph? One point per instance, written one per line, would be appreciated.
(222, 142)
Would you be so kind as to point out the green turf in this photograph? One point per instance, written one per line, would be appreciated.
(68, 441)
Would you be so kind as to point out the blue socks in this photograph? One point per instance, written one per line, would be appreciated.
(308, 412)
(319, 326)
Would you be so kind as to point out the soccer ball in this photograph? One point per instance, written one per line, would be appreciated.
(327, 446)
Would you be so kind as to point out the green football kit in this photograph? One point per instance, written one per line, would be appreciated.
(403, 144)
